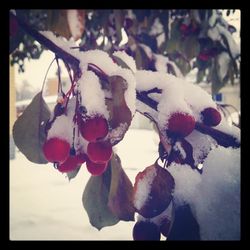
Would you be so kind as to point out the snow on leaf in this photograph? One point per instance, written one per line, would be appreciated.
(29, 129)
(153, 190)
(120, 194)
(95, 201)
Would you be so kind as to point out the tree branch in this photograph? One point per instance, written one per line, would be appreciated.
(222, 138)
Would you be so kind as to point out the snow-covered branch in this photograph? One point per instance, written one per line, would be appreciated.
(157, 104)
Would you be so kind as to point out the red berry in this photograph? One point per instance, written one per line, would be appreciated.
(184, 27)
(96, 168)
(211, 116)
(94, 128)
(203, 57)
(69, 165)
(152, 192)
(145, 230)
(99, 152)
(181, 124)
(56, 150)
(81, 158)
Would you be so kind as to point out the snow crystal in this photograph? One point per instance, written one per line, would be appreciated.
(129, 60)
(75, 23)
(62, 128)
(144, 188)
(93, 98)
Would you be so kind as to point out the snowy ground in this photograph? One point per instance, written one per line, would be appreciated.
(44, 205)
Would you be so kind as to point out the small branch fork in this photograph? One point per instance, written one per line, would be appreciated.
(222, 138)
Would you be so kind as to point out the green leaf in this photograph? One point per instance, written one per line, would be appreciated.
(73, 174)
(95, 201)
(121, 192)
(29, 130)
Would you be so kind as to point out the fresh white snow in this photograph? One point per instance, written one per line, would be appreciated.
(92, 95)
(144, 187)
(44, 205)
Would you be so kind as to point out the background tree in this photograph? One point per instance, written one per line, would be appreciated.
(175, 41)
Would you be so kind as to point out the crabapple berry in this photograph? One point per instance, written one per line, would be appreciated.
(94, 128)
(99, 152)
(96, 168)
(81, 158)
(146, 230)
(211, 116)
(181, 124)
(69, 165)
(56, 150)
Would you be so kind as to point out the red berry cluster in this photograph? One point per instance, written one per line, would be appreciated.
(98, 153)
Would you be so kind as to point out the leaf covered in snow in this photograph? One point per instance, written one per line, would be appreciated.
(153, 191)
(29, 130)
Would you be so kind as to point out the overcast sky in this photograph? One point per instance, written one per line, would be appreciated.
(35, 70)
